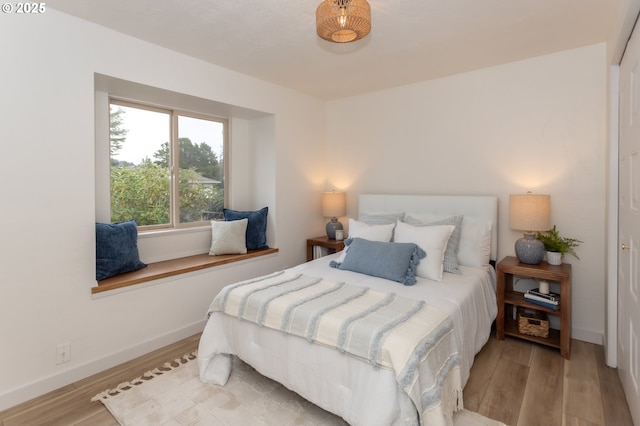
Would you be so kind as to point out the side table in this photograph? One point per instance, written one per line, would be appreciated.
(323, 241)
(508, 298)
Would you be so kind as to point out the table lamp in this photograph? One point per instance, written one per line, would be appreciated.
(530, 213)
(333, 206)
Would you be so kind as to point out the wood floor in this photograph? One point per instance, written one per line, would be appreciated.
(516, 382)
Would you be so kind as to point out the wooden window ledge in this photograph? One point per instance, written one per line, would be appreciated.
(169, 268)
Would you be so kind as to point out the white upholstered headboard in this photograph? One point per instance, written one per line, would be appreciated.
(478, 207)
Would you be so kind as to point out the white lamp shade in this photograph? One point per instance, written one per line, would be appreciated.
(334, 204)
(530, 212)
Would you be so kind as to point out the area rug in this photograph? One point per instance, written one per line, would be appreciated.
(173, 395)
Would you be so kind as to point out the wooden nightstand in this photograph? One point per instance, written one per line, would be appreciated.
(508, 299)
(323, 241)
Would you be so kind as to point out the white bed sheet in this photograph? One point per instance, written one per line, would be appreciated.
(346, 386)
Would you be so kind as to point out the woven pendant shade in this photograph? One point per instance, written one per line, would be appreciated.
(342, 21)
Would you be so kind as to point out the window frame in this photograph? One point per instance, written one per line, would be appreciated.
(174, 169)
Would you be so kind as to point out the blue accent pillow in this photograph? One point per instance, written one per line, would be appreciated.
(116, 249)
(256, 229)
(392, 261)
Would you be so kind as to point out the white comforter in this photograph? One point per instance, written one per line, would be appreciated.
(337, 382)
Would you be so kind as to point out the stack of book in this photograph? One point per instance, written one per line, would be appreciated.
(551, 300)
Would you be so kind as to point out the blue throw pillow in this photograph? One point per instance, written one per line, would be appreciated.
(256, 229)
(116, 249)
(392, 261)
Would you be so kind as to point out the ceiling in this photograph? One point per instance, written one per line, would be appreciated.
(410, 40)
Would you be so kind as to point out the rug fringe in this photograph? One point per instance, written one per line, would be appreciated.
(158, 371)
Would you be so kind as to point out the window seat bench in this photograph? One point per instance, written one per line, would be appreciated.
(168, 268)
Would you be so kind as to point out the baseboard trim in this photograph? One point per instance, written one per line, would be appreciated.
(50, 383)
(587, 336)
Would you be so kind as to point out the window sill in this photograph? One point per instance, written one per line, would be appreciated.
(168, 268)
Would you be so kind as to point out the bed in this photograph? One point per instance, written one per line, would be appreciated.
(365, 391)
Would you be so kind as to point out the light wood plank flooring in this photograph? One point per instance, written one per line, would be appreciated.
(516, 382)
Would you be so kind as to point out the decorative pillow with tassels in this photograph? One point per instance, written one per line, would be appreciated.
(392, 261)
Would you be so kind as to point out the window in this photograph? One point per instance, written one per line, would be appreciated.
(167, 166)
(250, 170)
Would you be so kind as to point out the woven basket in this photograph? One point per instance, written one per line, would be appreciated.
(533, 323)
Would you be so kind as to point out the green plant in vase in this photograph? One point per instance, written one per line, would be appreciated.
(556, 243)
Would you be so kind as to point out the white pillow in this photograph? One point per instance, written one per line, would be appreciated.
(451, 252)
(371, 232)
(431, 239)
(228, 237)
(365, 231)
(475, 238)
(475, 243)
(382, 219)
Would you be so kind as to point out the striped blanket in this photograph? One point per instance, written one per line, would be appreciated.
(408, 336)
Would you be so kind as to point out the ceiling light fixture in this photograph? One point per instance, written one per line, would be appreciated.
(342, 21)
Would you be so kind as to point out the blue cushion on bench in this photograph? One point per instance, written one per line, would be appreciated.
(256, 229)
(116, 249)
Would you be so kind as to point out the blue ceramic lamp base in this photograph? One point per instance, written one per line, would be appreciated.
(332, 227)
(530, 250)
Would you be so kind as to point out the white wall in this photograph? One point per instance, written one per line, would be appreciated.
(537, 124)
(47, 192)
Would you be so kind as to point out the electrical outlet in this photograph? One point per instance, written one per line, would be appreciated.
(63, 353)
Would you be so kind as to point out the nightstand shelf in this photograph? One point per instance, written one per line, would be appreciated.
(323, 241)
(516, 298)
(509, 299)
(511, 329)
